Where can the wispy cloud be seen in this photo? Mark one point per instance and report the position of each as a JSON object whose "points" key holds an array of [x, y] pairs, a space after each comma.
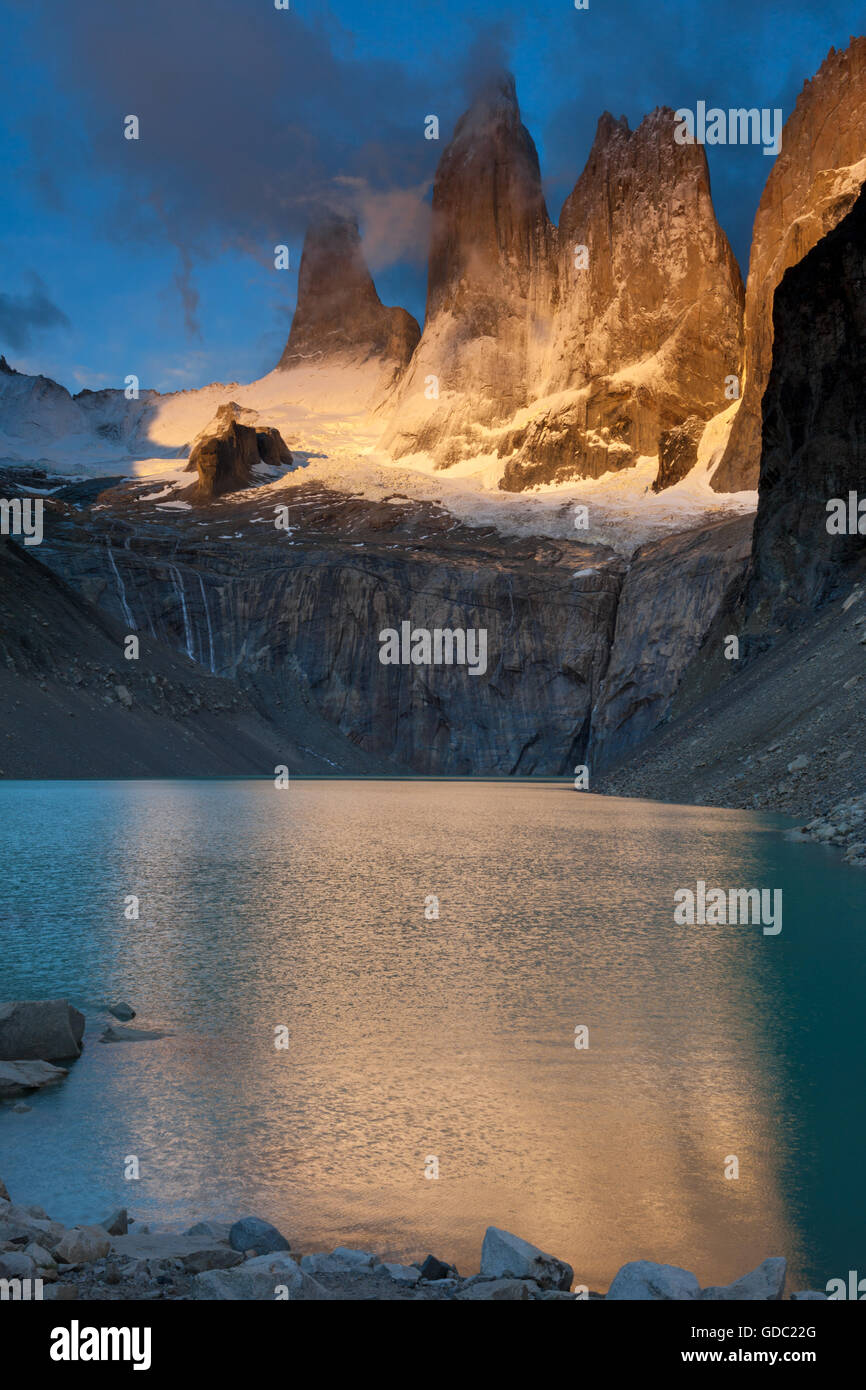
{"points": [[23, 315]]}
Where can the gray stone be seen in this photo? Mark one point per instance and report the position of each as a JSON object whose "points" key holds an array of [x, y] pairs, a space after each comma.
{"points": [[642, 1280], [117, 1224], [808, 1295], [41, 1257], [40, 1030], [119, 1034], [82, 1245], [500, 1290], [17, 1223], [765, 1282], [195, 1254], [267, 1277], [340, 1261], [401, 1274], [251, 1233], [508, 1256], [213, 1230], [122, 1011], [436, 1269], [17, 1265]]}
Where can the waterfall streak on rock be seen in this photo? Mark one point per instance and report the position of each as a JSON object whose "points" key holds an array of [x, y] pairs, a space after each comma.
{"points": [[187, 629], [209, 628], [121, 590]]}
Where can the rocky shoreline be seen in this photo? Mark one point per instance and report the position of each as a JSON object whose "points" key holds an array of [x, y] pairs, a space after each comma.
{"points": [[250, 1260]]}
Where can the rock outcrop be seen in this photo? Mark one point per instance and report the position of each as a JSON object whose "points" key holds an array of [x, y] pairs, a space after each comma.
{"points": [[814, 442], [49, 1030], [648, 323], [566, 353], [18, 1077], [813, 184], [309, 608], [490, 285], [671, 595], [678, 452], [739, 730], [227, 452], [506, 1256], [339, 315]]}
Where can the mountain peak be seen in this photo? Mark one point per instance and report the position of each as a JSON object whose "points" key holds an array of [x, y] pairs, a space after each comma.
{"points": [[339, 312]]}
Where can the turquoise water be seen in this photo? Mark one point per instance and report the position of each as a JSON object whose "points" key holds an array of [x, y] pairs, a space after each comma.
{"points": [[413, 1037]]}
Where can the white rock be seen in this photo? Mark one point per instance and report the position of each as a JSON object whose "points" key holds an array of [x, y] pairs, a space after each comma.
{"points": [[765, 1282], [643, 1280], [508, 1256], [267, 1277]]}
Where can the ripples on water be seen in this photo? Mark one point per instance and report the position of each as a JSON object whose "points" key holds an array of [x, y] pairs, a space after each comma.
{"points": [[452, 1037]]}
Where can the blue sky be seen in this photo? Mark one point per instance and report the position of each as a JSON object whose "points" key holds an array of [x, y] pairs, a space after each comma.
{"points": [[156, 256]]}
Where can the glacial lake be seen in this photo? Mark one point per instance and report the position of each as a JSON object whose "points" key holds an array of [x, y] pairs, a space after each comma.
{"points": [[413, 1037]]}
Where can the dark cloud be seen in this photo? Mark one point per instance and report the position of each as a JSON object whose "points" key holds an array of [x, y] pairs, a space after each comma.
{"points": [[248, 117], [22, 315]]}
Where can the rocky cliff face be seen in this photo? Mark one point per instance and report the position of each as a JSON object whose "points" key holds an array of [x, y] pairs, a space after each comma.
{"points": [[814, 443], [566, 353], [672, 593], [577, 666], [648, 324], [490, 286], [295, 620], [339, 315], [813, 184]]}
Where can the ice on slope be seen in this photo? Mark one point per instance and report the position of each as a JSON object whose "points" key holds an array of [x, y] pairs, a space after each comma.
{"points": [[332, 418]]}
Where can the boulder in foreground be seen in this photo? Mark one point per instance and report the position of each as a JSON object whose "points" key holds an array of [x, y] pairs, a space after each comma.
{"points": [[83, 1245], [506, 1256], [40, 1030], [644, 1281], [251, 1233], [265, 1278], [765, 1282], [18, 1077]]}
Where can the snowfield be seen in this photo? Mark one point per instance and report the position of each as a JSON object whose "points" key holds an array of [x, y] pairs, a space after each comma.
{"points": [[333, 418]]}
